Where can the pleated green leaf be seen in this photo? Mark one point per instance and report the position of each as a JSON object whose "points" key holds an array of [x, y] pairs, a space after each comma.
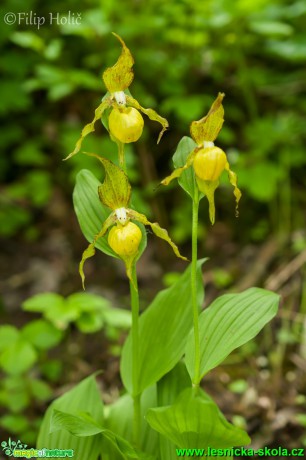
{"points": [[120, 421], [163, 331], [83, 425], [85, 397], [172, 384], [230, 321], [168, 389], [92, 214], [194, 421], [78, 425], [187, 180]]}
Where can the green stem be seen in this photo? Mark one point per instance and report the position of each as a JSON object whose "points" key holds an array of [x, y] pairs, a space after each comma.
{"points": [[121, 155], [195, 212], [135, 355]]}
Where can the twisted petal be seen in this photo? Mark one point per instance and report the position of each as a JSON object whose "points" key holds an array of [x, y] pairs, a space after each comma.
{"points": [[90, 126], [178, 171], [150, 113], [208, 128], [160, 232], [233, 180], [90, 251], [115, 191], [120, 76]]}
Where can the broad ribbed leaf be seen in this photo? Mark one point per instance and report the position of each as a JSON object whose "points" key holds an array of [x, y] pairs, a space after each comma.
{"points": [[92, 214], [163, 331], [230, 321], [168, 389], [83, 425], [120, 421], [172, 384], [187, 180], [195, 421], [78, 425], [85, 397]]}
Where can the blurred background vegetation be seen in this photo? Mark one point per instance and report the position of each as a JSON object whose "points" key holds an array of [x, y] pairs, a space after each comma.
{"points": [[185, 53]]}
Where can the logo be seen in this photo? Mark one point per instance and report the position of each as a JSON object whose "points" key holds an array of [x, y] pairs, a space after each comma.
{"points": [[17, 449], [9, 446]]}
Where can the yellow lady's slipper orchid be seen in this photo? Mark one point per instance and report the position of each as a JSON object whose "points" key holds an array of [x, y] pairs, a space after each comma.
{"points": [[208, 161], [125, 240], [125, 121], [125, 124], [124, 236]]}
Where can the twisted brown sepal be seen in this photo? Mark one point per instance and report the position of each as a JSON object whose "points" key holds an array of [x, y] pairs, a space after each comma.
{"points": [[150, 113], [90, 127], [157, 230], [115, 191], [178, 171], [120, 76], [90, 251], [208, 128], [233, 180]]}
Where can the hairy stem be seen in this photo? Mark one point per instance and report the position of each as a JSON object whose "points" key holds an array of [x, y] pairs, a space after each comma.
{"points": [[135, 356], [195, 212]]}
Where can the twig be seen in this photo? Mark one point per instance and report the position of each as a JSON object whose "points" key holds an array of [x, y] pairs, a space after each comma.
{"points": [[275, 281]]}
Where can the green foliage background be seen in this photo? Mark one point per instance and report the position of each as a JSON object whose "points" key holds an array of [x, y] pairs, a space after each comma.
{"points": [[185, 52]]}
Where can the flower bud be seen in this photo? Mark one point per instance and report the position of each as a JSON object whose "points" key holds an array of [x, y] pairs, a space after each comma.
{"points": [[126, 124], [209, 163], [125, 240]]}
